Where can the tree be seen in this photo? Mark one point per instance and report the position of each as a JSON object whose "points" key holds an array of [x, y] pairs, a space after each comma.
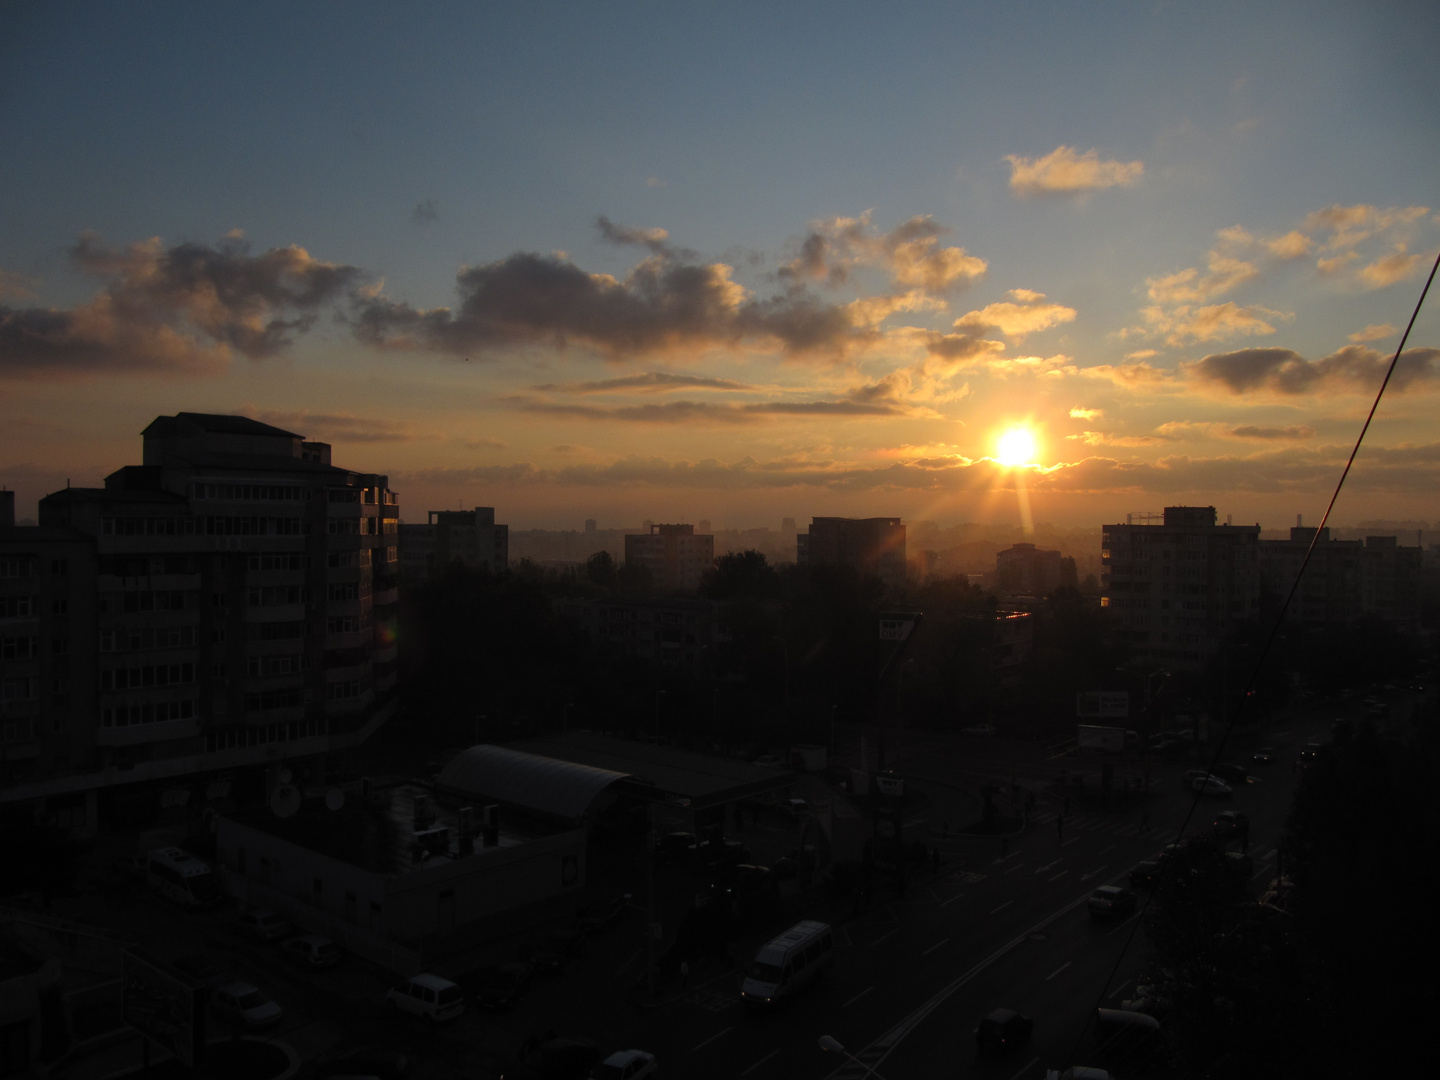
{"points": [[600, 570], [741, 574]]}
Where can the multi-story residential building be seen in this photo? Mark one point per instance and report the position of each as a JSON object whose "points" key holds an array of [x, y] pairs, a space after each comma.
{"points": [[676, 632], [1345, 580], [675, 555], [468, 537], [223, 611], [1025, 570], [1176, 588], [874, 546]]}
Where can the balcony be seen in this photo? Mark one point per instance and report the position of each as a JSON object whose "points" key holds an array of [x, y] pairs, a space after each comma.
{"points": [[138, 734]]}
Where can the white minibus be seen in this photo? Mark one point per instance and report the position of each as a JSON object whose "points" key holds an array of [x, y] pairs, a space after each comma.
{"points": [[181, 877], [788, 963]]}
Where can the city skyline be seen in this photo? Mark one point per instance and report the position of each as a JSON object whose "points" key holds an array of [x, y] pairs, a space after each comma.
{"points": [[680, 265]]}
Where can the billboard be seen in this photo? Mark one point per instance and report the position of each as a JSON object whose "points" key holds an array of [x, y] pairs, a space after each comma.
{"points": [[1102, 704], [162, 1006]]}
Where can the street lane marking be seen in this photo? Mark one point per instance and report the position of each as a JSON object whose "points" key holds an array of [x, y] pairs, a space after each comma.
{"points": [[932, 948], [952, 899], [762, 1061], [712, 1038], [1058, 876], [1047, 866], [846, 931], [1017, 866], [1122, 926], [1261, 872], [847, 1004], [1072, 840], [1026, 1069], [1092, 873], [1004, 858], [1002, 907], [1116, 992], [1112, 847], [1057, 971], [882, 937]]}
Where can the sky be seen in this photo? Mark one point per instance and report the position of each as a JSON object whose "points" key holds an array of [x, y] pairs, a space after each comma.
{"points": [[736, 262]]}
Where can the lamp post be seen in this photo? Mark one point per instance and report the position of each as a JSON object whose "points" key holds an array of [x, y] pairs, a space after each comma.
{"points": [[832, 1045], [1147, 701], [652, 925], [658, 695]]}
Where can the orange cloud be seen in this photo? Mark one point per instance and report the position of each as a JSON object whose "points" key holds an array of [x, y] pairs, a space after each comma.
{"points": [[1065, 172], [1017, 320]]}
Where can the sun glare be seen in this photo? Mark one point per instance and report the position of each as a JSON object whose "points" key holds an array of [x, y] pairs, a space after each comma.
{"points": [[1016, 447]]}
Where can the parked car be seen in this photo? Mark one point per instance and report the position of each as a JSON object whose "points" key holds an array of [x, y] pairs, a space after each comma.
{"points": [[769, 761], [263, 924], [244, 1006], [427, 996], [795, 808], [500, 986], [554, 1058], [1111, 902], [1231, 773], [1211, 785], [978, 729], [1002, 1029], [1231, 823], [1191, 775], [1146, 874], [557, 949], [312, 950], [1078, 1072], [625, 1065], [1264, 756], [721, 851], [362, 1063]]}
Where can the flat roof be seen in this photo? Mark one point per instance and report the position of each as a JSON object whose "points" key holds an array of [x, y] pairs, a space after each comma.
{"points": [[380, 837], [704, 779]]}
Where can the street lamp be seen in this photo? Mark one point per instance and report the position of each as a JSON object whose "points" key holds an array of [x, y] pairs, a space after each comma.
{"points": [[832, 1045], [658, 695], [652, 927]]}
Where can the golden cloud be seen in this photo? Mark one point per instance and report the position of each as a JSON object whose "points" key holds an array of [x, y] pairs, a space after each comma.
{"points": [[1374, 332], [1387, 270], [1065, 172], [1017, 320], [1216, 322], [1077, 413], [1293, 245]]}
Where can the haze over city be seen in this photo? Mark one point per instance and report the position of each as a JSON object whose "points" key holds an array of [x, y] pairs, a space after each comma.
{"points": [[736, 264]]}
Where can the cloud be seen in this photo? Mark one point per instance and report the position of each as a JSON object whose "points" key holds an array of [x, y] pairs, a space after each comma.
{"points": [[1374, 332], [1296, 431], [1187, 286], [1215, 322], [831, 250], [1077, 413], [425, 212], [334, 427], [654, 239], [16, 285], [1350, 369], [1293, 245], [1017, 320], [654, 182], [1102, 438], [1065, 172], [700, 412], [666, 303], [1141, 354], [1389, 269], [1351, 225], [648, 382], [178, 309]]}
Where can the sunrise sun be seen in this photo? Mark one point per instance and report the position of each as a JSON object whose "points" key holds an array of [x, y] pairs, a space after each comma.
{"points": [[1016, 447]]}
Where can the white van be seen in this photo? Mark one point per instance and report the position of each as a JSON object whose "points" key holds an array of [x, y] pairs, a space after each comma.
{"points": [[181, 877], [788, 963]]}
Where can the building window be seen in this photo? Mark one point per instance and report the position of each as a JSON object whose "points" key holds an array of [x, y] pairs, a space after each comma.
{"points": [[60, 567], [59, 607]]}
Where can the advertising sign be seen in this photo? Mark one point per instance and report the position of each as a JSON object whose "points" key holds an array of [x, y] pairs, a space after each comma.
{"points": [[896, 628], [1102, 704], [162, 1006], [891, 786]]}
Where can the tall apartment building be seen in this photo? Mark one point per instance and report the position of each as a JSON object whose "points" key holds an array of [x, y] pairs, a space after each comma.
{"points": [[222, 611], [1025, 570], [874, 546], [1345, 580], [468, 537], [676, 555], [1178, 587]]}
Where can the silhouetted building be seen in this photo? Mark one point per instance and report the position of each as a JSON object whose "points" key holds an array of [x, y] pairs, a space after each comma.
{"points": [[1176, 588], [674, 632], [220, 611], [1345, 580], [465, 537], [1025, 570], [675, 555], [874, 546]]}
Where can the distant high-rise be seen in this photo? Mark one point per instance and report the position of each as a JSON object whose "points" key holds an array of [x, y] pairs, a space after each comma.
{"points": [[787, 525], [467, 537], [1025, 570], [222, 610], [1178, 587], [873, 546], [589, 525], [675, 555], [704, 525]]}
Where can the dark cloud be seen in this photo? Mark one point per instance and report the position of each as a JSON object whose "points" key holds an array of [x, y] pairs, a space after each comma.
{"points": [[700, 412], [335, 427], [425, 212], [663, 304], [1355, 367], [961, 346], [911, 253], [180, 308], [648, 381], [1298, 432], [654, 239]]}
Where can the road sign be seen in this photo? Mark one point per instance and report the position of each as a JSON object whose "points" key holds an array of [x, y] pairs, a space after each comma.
{"points": [[896, 628], [162, 1006], [891, 786]]}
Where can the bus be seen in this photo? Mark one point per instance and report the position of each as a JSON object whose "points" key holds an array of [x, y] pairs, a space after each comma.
{"points": [[181, 877], [788, 963]]}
